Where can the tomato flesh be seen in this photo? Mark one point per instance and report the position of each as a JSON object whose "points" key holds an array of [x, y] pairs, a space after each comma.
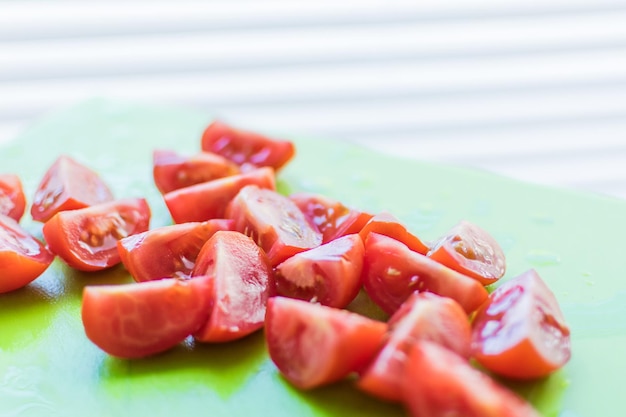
{"points": [[329, 216], [172, 171], [329, 274], [392, 272], [86, 239], [424, 316], [521, 332], [314, 345], [274, 222], [243, 282], [169, 251], [68, 185], [388, 225], [439, 383], [244, 147], [12, 199], [138, 320], [22, 257], [208, 200], [472, 251]]}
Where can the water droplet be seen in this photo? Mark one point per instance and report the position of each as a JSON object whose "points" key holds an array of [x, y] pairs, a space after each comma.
{"points": [[589, 282], [482, 208], [542, 219], [422, 218], [361, 180], [543, 258]]}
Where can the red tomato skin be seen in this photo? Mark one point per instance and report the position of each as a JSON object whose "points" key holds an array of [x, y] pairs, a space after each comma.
{"points": [[520, 332], [169, 251], [329, 216], [329, 274], [392, 272], [472, 251], [439, 383], [245, 147], [424, 316], [208, 200], [12, 198], [172, 171], [22, 257], [274, 222], [243, 283], [86, 239], [139, 320], [314, 345], [68, 185], [388, 225]]}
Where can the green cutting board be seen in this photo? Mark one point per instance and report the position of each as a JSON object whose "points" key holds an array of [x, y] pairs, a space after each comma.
{"points": [[49, 368]]}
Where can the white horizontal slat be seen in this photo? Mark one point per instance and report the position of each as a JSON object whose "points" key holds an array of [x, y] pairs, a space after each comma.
{"points": [[38, 20], [462, 112], [430, 82], [570, 170], [306, 46], [480, 146], [615, 187]]}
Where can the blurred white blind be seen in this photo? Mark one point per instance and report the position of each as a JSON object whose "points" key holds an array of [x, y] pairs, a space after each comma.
{"points": [[530, 89]]}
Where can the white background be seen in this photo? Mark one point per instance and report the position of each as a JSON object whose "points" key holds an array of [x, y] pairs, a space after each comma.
{"points": [[534, 90]]}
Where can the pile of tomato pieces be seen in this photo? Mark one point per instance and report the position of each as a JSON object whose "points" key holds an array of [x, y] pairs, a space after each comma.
{"points": [[241, 257]]}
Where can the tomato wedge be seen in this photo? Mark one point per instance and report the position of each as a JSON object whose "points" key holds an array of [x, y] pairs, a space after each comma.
{"points": [[172, 171], [244, 147], [242, 284], [138, 320], [472, 251], [208, 200], [424, 316], [86, 239], [314, 345], [329, 216], [439, 383], [274, 222], [329, 274], [388, 225], [22, 257], [68, 185], [392, 272], [12, 199], [168, 251], [521, 332]]}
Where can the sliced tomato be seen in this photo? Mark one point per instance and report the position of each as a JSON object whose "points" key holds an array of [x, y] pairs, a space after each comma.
{"points": [[439, 383], [22, 257], [329, 216], [86, 239], [245, 147], [388, 225], [12, 199], [472, 251], [274, 222], [243, 283], [392, 272], [172, 171], [68, 185], [138, 320], [424, 316], [314, 345], [521, 332], [208, 200], [168, 251], [329, 274]]}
